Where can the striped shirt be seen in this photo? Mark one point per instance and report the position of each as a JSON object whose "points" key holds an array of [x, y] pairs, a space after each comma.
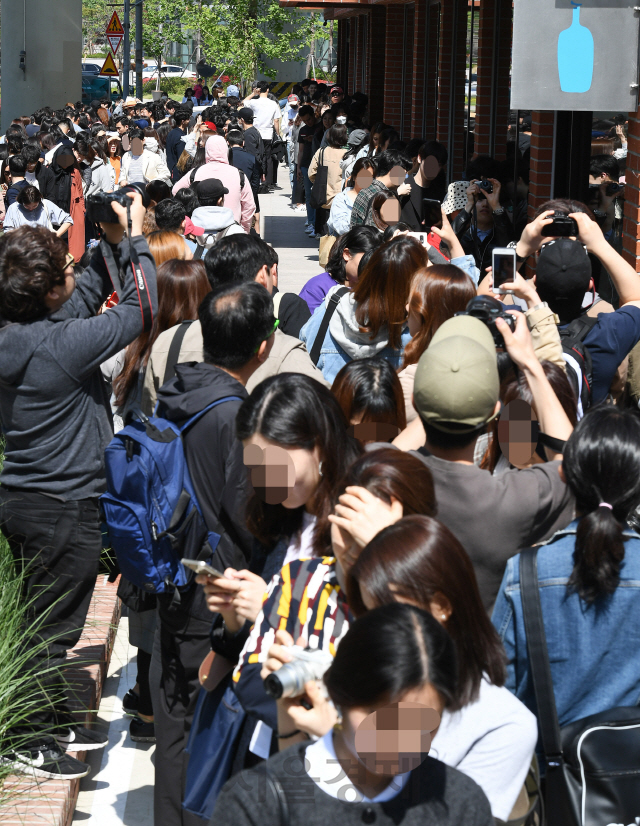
{"points": [[306, 600], [361, 212]]}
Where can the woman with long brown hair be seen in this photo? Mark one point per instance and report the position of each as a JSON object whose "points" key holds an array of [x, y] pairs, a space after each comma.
{"points": [[437, 293], [181, 287], [370, 320]]}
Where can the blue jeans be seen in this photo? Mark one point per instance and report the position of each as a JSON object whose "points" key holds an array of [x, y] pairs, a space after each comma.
{"points": [[311, 213]]}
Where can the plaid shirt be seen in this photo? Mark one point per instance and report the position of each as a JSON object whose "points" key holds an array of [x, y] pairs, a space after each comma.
{"points": [[361, 212]]}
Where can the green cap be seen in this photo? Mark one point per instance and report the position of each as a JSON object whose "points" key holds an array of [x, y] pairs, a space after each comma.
{"points": [[456, 385]]}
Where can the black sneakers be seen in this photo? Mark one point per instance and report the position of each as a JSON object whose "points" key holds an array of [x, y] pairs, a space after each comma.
{"points": [[131, 703], [79, 738], [141, 731], [46, 760]]}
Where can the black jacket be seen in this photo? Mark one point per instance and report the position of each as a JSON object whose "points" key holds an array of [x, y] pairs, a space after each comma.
{"points": [[173, 139], [293, 313], [248, 164], [411, 206], [501, 234], [253, 144], [213, 454], [46, 180]]}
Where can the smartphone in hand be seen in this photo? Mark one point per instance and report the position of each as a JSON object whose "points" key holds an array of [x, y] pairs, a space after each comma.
{"points": [[503, 268]]}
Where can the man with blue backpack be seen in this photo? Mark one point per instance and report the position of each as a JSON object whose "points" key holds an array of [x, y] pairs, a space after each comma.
{"points": [[238, 327], [56, 422]]}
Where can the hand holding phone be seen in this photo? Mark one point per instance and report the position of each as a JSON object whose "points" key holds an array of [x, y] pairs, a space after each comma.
{"points": [[432, 213], [200, 567], [503, 268]]}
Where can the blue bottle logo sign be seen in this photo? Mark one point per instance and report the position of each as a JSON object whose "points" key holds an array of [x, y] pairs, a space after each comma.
{"points": [[575, 55]]}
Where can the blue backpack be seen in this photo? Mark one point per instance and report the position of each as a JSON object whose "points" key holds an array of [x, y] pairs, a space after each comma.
{"points": [[151, 509]]}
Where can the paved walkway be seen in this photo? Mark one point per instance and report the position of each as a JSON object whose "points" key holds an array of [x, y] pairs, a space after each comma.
{"points": [[284, 229]]}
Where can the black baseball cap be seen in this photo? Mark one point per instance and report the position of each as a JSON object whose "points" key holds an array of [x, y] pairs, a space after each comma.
{"points": [[563, 274], [246, 114], [211, 188]]}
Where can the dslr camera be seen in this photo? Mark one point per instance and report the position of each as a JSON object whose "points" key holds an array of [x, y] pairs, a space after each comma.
{"points": [[488, 309], [308, 664], [562, 226], [485, 185], [99, 205]]}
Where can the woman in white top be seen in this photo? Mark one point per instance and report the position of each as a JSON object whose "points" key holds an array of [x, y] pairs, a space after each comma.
{"points": [[139, 165], [32, 210], [486, 732]]}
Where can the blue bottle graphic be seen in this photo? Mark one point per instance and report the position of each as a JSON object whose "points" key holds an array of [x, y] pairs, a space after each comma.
{"points": [[575, 55]]}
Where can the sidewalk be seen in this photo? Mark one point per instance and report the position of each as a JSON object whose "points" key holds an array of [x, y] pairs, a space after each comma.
{"points": [[284, 230]]}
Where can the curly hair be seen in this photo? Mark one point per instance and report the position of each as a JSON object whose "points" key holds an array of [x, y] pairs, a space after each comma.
{"points": [[32, 262]]}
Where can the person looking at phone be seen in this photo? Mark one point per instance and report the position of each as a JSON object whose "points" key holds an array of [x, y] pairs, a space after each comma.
{"points": [[564, 277], [238, 326], [429, 182]]}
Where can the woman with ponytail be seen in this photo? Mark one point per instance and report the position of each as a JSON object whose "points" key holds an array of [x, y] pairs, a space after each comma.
{"points": [[589, 576]]}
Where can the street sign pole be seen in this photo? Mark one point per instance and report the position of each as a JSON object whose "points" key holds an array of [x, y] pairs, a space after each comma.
{"points": [[126, 56], [138, 4]]}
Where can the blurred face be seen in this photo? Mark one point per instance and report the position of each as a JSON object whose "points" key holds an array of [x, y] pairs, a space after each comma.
{"points": [[281, 475], [396, 737], [430, 168], [351, 263], [364, 179], [390, 211], [397, 176]]}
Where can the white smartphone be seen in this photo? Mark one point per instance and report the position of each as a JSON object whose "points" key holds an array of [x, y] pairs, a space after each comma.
{"points": [[202, 568], [503, 268], [421, 237]]}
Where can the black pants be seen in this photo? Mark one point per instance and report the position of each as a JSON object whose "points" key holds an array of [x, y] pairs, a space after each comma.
{"points": [[144, 664], [58, 544], [270, 164], [181, 644]]}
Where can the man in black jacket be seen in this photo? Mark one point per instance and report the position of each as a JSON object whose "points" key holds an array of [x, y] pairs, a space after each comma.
{"points": [[181, 117], [57, 422], [37, 173], [253, 143], [249, 165], [238, 329]]}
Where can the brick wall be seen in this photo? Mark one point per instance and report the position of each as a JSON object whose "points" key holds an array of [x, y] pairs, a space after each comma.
{"points": [[631, 225], [452, 39], [540, 181], [418, 69], [495, 17], [343, 47], [376, 56], [393, 66]]}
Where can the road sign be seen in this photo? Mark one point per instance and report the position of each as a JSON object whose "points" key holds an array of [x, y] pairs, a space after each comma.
{"points": [[565, 55], [114, 41], [115, 26], [109, 68]]}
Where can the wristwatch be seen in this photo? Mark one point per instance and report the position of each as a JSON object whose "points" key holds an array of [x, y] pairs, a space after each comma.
{"points": [[498, 211]]}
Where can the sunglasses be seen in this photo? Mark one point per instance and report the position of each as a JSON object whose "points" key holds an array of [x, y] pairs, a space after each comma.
{"points": [[275, 327], [335, 94]]}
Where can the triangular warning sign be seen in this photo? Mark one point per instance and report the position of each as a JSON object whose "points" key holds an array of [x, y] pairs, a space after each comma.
{"points": [[109, 68], [115, 26], [114, 41]]}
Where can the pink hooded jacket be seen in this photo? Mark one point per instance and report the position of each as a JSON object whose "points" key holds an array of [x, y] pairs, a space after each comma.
{"points": [[241, 203]]}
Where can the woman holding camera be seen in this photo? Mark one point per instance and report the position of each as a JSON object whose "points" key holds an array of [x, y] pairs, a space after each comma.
{"points": [[483, 224], [392, 677]]}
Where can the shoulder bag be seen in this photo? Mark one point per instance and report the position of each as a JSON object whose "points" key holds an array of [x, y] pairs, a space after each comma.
{"points": [[318, 197], [324, 324], [593, 764]]}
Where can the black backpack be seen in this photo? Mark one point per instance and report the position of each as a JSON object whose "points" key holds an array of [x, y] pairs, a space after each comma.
{"points": [[578, 357]]}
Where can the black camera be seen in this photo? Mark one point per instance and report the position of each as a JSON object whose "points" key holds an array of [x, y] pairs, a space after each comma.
{"points": [[99, 205], [486, 185], [562, 226], [613, 188], [488, 309]]}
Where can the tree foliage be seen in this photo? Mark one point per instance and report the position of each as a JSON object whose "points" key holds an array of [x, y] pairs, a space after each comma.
{"points": [[95, 19]]}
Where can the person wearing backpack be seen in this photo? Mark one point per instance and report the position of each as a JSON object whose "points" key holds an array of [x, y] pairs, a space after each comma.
{"points": [[238, 327], [212, 216], [596, 340], [56, 423]]}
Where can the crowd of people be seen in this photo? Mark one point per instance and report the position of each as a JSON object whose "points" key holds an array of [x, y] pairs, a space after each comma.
{"points": [[373, 454]]}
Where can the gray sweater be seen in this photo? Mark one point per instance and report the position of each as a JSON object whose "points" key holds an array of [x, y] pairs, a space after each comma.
{"points": [[435, 795], [54, 407]]}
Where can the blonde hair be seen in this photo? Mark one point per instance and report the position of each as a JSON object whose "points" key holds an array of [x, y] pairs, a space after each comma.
{"points": [[165, 245]]}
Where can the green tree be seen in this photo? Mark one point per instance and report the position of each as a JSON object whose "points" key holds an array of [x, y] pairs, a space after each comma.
{"points": [[164, 22], [95, 19], [241, 35]]}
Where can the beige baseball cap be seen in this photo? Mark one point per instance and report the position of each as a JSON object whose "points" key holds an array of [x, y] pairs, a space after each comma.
{"points": [[456, 385]]}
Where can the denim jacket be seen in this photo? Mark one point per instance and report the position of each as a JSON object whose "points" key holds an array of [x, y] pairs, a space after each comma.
{"points": [[594, 650], [332, 356]]}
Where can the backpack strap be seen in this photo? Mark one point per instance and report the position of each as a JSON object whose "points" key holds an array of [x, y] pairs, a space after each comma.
{"points": [[277, 298], [580, 327], [192, 176], [539, 658], [199, 415], [324, 324], [174, 350]]}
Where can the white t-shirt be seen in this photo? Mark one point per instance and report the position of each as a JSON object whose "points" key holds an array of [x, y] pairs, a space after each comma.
{"points": [[300, 546], [136, 172], [265, 112], [491, 741], [31, 179], [323, 768]]}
